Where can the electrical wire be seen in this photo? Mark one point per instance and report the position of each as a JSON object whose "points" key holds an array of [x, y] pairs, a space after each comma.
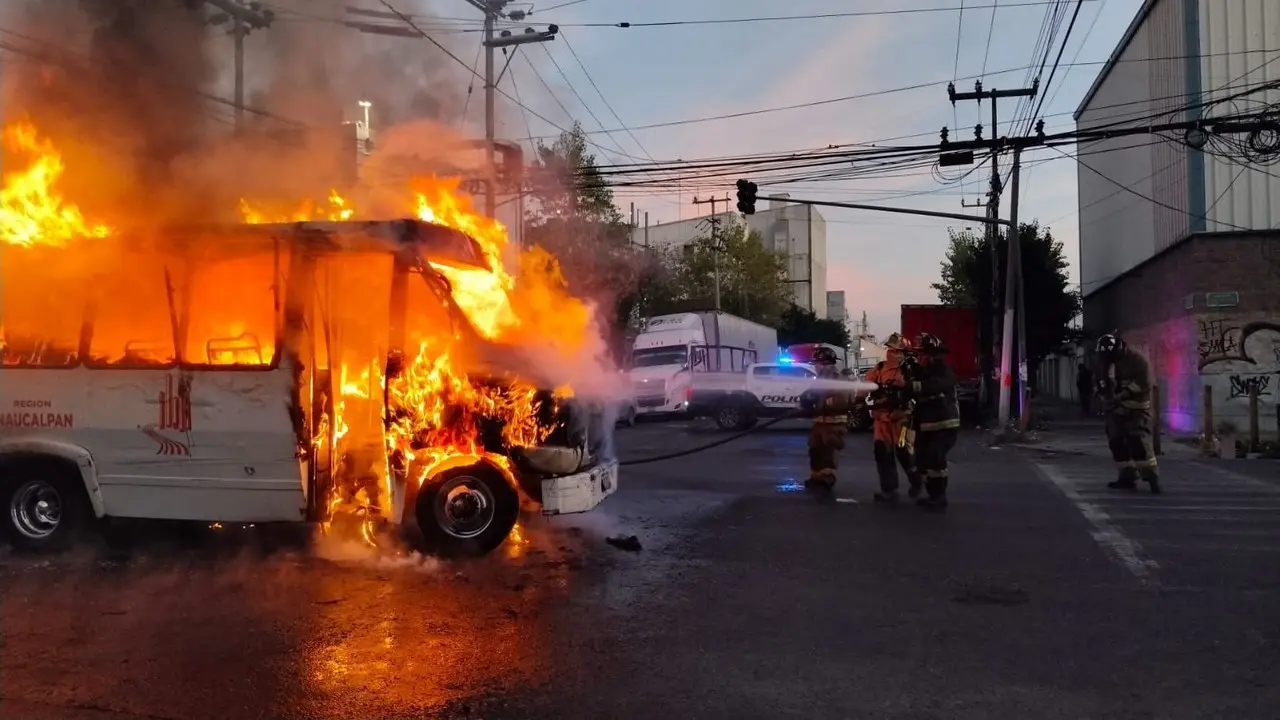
{"points": [[576, 94], [1052, 71], [990, 32], [904, 88], [387, 4], [1071, 65], [1151, 200], [955, 69], [812, 16], [603, 99]]}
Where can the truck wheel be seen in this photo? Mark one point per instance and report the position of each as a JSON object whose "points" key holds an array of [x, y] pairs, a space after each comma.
{"points": [[466, 511], [860, 420], [729, 417], [44, 505], [734, 417]]}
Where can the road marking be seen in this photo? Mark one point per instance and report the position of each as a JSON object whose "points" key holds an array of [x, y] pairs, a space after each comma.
{"points": [[1119, 546], [1238, 477]]}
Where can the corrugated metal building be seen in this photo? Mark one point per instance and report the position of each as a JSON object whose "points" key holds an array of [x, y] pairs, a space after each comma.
{"points": [[1178, 247]]}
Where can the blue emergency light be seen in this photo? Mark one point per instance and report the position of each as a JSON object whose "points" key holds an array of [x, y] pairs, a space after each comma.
{"points": [[784, 359]]}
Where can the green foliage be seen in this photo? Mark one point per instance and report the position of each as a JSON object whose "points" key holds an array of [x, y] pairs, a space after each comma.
{"points": [[804, 326], [569, 184], [1052, 303], [752, 277]]}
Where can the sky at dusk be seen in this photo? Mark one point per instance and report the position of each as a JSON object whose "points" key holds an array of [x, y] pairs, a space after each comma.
{"points": [[657, 75]]}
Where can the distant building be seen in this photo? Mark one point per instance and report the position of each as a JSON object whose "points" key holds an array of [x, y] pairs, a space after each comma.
{"points": [[836, 309], [798, 231], [1179, 247]]}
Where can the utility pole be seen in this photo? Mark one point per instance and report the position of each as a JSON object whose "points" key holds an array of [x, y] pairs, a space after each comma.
{"points": [[245, 17], [491, 10], [402, 26], [1012, 297], [715, 241], [994, 192]]}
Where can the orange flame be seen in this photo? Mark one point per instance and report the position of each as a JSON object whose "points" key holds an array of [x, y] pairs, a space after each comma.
{"points": [[31, 210]]}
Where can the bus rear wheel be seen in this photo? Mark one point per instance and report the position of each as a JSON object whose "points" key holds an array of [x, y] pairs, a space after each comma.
{"points": [[466, 511], [43, 505]]}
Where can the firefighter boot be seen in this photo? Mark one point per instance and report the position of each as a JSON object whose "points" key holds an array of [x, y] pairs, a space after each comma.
{"points": [[915, 484], [1152, 480], [1128, 480], [936, 494], [887, 469]]}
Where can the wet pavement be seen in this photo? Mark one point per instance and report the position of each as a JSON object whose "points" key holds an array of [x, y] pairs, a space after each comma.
{"points": [[1036, 595]]}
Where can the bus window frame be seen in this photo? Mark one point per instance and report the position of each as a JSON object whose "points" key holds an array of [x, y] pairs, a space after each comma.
{"points": [[182, 321]]}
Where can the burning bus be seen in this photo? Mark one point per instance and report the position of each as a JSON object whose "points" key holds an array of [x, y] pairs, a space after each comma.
{"points": [[359, 374]]}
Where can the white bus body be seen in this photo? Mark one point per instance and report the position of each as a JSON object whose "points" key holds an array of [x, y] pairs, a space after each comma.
{"points": [[186, 438]]}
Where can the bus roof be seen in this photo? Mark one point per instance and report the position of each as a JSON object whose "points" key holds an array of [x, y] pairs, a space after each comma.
{"points": [[420, 240]]}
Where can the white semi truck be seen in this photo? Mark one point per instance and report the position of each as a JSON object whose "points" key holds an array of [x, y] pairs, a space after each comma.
{"points": [[673, 348]]}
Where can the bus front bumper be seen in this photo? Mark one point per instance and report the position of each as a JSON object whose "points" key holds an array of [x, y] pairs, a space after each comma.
{"points": [[579, 492]]}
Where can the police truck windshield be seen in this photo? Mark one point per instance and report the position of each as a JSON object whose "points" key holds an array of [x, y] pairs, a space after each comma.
{"points": [[655, 357]]}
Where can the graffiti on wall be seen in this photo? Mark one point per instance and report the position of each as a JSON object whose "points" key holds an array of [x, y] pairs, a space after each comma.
{"points": [[1246, 385], [1238, 360], [1255, 343]]}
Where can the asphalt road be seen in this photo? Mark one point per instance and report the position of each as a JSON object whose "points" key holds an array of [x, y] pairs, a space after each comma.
{"points": [[1039, 594]]}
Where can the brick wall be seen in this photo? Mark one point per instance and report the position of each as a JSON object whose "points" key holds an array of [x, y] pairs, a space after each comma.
{"points": [[1228, 349]]}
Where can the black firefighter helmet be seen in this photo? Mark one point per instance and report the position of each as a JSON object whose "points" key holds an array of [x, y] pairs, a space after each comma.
{"points": [[825, 356], [1110, 345], [930, 344]]}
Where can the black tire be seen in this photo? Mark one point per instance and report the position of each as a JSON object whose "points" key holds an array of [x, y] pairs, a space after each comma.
{"points": [[734, 418], [860, 419], [43, 504], [628, 418], [470, 526]]}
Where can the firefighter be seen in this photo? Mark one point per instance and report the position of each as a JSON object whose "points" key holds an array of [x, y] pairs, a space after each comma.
{"points": [[830, 410], [936, 418], [1124, 383], [891, 410]]}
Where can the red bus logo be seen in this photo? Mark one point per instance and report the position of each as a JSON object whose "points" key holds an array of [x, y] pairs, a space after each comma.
{"points": [[175, 416]]}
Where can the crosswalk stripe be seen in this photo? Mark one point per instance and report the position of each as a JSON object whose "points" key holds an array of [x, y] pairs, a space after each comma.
{"points": [[1123, 549]]}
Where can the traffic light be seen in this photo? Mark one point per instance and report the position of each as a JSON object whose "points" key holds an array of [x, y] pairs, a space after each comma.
{"points": [[746, 197]]}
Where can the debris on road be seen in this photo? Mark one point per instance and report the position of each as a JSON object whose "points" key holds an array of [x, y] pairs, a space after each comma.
{"points": [[629, 543]]}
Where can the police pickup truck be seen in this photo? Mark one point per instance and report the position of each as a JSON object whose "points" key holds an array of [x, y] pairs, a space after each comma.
{"points": [[737, 401]]}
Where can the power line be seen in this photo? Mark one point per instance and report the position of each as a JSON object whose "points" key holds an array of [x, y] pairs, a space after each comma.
{"points": [[1071, 65], [500, 91], [813, 16], [905, 88], [603, 99], [990, 31], [561, 5], [1123, 126], [1151, 200], [1052, 71], [577, 95]]}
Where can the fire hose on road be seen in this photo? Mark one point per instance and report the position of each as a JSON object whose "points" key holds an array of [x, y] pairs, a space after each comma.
{"points": [[878, 396], [717, 443]]}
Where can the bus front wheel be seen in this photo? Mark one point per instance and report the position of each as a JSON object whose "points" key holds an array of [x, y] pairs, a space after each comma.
{"points": [[466, 511], [43, 506]]}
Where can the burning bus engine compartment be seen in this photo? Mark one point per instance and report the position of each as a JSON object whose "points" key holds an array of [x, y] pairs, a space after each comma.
{"points": [[384, 378]]}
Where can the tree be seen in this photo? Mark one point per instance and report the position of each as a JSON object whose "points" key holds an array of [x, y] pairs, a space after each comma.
{"points": [[1051, 301], [568, 184], [753, 280], [804, 326]]}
